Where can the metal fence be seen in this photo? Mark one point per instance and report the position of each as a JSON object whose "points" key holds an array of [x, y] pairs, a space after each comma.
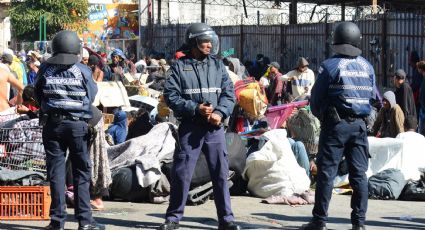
{"points": [[388, 40]]}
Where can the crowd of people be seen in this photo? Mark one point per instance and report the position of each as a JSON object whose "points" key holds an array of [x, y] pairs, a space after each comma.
{"points": [[198, 87]]}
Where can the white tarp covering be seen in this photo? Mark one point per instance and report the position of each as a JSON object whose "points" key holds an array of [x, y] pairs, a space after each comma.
{"points": [[273, 170], [406, 152]]}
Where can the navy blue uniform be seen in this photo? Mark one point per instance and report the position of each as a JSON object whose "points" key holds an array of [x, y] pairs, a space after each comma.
{"points": [[65, 94], [192, 82], [344, 88]]}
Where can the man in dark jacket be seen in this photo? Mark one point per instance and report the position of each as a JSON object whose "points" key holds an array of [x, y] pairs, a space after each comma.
{"points": [[201, 94], [65, 91], [421, 99], [404, 94]]}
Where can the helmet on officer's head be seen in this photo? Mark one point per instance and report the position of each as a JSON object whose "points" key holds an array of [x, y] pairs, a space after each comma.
{"points": [[199, 33], [346, 39], [66, 47]]}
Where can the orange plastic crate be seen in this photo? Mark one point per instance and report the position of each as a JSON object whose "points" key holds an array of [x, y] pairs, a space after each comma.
{"points": [[24, 202]]}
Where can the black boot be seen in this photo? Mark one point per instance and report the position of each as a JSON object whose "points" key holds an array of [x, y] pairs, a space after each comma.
{"points": [[359, 227], [169, 225], [229, 226], [92, 226], [53, 226], [314, 226]]}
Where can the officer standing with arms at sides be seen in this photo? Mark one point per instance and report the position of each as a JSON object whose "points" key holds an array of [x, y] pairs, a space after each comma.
{"points": [[340, 98], [65, 91], [201, 94]]}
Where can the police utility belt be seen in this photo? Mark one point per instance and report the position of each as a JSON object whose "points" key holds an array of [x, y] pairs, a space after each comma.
{"points": [[334, 116], [58, 117]]}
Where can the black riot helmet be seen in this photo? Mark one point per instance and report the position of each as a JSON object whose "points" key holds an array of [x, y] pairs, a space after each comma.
{"points": [[65, 47], [198, 33], [346, 39]]}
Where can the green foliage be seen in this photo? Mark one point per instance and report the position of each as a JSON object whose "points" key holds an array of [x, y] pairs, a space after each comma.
{"points": [[60, 14]]}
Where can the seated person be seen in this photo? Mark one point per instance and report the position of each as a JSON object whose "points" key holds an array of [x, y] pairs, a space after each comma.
{"points": [[390, 120], [29, 105], [140, 124], [118, 129], [300, 154], [156, 79]]}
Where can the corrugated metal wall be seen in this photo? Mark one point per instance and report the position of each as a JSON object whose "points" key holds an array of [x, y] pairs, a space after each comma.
{"points": [[387, 42]]}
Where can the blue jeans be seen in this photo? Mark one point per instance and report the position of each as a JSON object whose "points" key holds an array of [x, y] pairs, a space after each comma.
{"points": [[300, 154], [421, 127]]}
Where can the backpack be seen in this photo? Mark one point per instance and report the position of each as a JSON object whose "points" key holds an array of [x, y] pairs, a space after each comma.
{"points": [[305, 127], [386, 185], [251, 97]]}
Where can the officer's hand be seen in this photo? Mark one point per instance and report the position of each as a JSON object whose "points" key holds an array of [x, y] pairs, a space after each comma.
{"points": [[215, 119], [205, 110]]}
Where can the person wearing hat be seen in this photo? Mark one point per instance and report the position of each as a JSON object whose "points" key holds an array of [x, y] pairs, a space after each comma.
{"points": [[390, 119], [302, 79], [118, 65], [65, 90], [33, 67], [85, 57], [276, 86], [15, 65], [404, 94], [34, 56], [340, 98], [156, 78], [164, 66], [94, 63]]}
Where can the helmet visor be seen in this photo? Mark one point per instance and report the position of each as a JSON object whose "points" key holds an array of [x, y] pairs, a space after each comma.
{"points": [[208, 37]]}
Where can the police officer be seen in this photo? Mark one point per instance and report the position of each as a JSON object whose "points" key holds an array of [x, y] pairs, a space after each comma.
{"points": [[341, 99], [201, 94], [65, 91]]}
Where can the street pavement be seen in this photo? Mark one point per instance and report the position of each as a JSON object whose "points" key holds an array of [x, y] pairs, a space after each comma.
{"points": [[250, 213]]}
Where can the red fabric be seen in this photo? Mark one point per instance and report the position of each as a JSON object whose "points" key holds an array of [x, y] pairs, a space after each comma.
{"points": [[179, 55], [32, 108], [279, 84], [240, 125], [416, 97]]}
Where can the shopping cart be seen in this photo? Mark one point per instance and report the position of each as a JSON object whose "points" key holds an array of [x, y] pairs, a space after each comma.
{"points": [[22, 149]]}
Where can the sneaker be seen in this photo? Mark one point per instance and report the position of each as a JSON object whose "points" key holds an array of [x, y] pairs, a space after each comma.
{"points": [[169, 225], [229, 226]]}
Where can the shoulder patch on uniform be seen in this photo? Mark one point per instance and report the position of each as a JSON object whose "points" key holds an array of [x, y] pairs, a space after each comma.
{"points": [[320, 70]]}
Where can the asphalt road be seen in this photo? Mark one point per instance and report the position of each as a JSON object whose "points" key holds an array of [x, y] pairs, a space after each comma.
{"points": [[250, 213]]}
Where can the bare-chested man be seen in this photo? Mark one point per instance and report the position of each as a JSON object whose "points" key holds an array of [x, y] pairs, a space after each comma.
{"points": [[7, 77]]}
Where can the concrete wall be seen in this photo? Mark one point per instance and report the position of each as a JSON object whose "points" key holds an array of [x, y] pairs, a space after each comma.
{"points": [[5, 33]]}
